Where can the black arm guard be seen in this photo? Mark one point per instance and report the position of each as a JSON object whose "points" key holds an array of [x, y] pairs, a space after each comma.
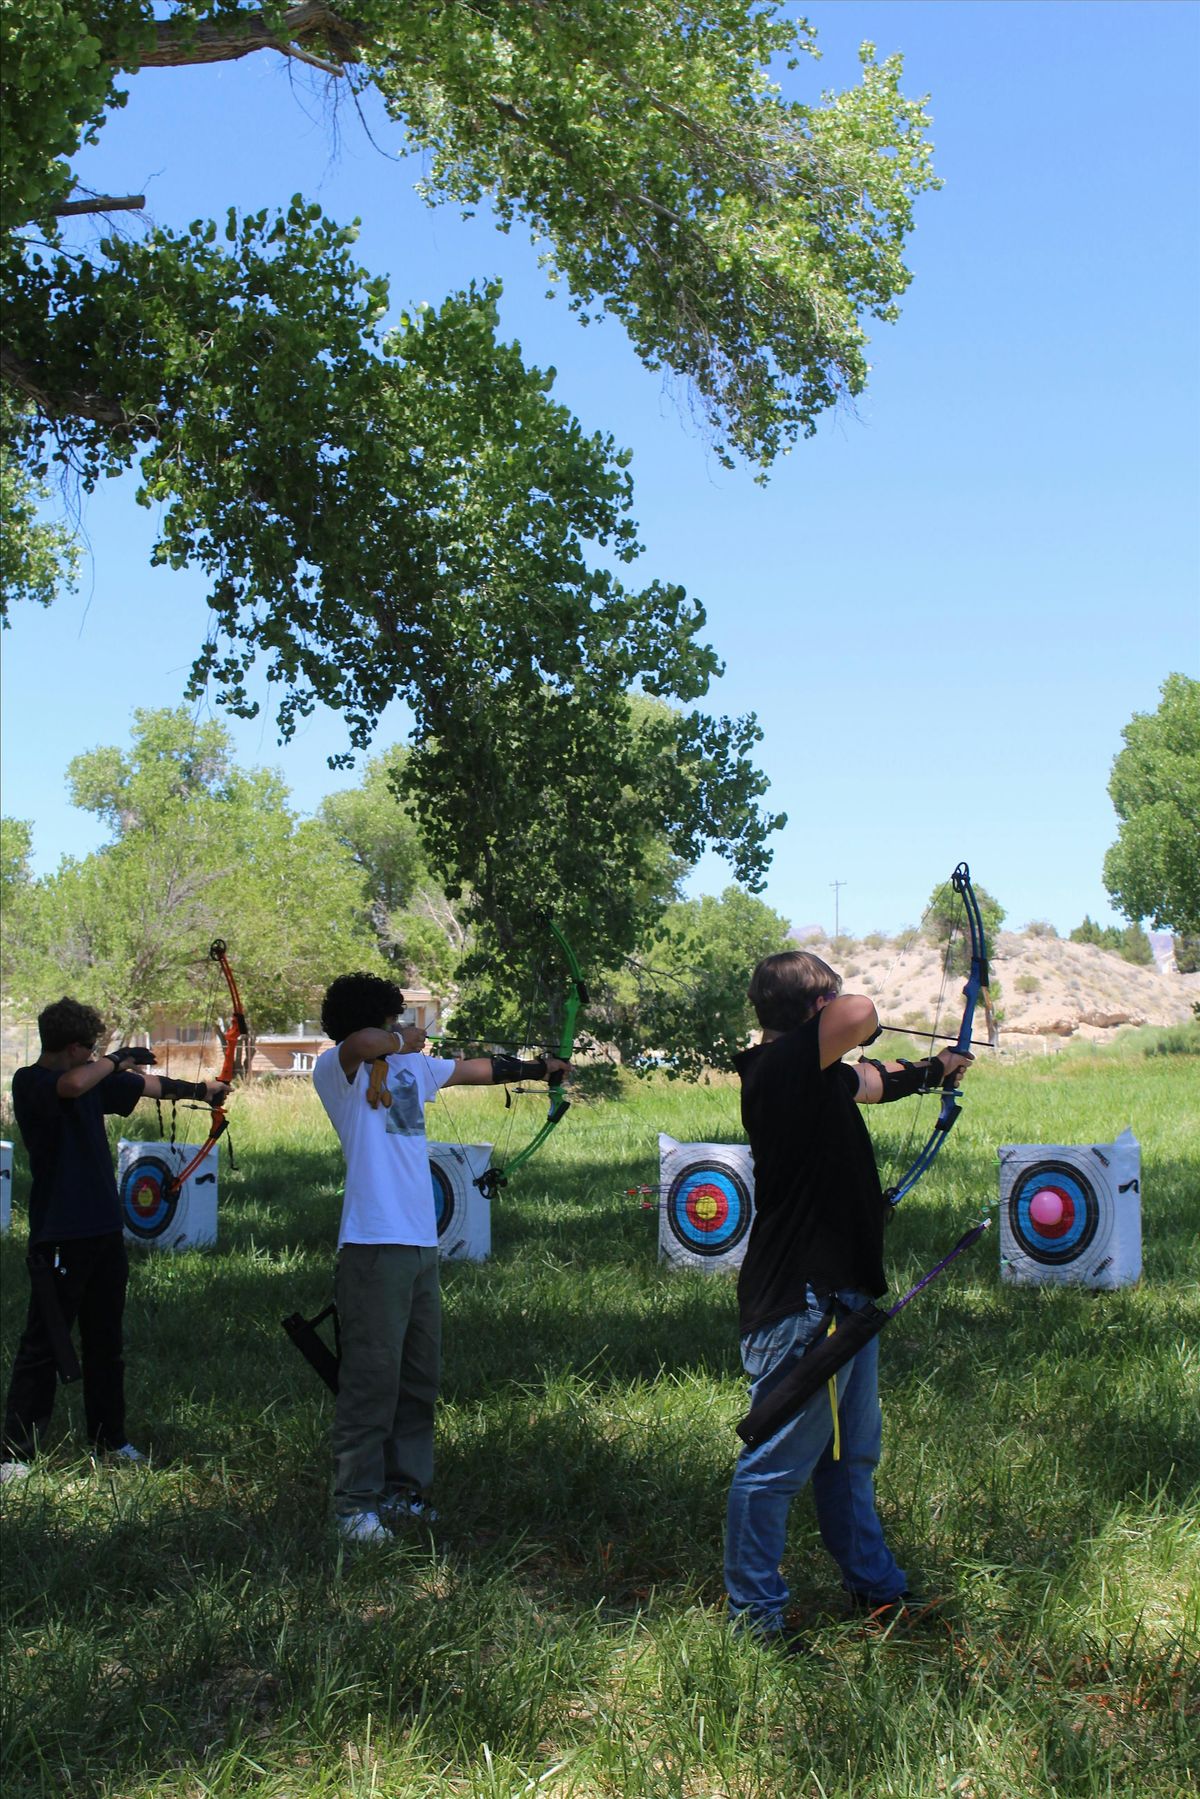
{"points": [[511, 1068], [909, 1078], [173, 1089]]}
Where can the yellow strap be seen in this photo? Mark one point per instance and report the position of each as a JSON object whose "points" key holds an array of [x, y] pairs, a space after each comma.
{"points": [[377, 1087], [833, 1403]]}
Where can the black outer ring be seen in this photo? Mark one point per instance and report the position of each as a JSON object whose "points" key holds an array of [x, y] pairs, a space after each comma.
{"points": [[1038, 1252]]}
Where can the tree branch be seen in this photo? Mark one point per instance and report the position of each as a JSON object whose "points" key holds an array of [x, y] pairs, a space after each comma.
{"points": [[97, 407], [177, 43], [100, 203]]}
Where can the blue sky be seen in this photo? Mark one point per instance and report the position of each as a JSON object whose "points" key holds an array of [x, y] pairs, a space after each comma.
{"points": [[945, 607]]}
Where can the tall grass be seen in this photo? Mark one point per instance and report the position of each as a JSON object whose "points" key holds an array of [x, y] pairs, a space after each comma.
{"points": [[197, 1630]]}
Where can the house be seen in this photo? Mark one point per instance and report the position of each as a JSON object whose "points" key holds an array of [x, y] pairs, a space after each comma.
{"points": [[194, 1051]]}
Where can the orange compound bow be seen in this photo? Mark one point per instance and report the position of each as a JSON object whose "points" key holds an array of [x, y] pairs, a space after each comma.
{"points": [[231, 1038]]}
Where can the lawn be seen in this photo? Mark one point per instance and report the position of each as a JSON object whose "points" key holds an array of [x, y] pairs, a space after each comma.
{"points": [[197, 1630]]}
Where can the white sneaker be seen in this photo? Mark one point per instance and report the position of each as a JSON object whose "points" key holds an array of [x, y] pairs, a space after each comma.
{"points": [[363, 1527], [127, 1453], [12, 1471]]}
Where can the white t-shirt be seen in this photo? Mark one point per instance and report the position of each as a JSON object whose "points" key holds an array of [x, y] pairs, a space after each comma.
{"points": [[389, 1189]]}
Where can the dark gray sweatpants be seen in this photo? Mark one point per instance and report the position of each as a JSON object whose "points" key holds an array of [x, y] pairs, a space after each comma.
{"points": [[390, 1318]]}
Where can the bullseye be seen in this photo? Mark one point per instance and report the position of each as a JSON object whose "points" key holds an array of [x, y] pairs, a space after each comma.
{"points": [[708, 1209], [1046, 1208]]}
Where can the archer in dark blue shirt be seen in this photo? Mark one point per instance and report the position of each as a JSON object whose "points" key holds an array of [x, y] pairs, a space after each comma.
{"points": [[78, 1264]]}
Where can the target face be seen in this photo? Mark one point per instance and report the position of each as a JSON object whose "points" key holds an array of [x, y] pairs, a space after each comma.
{"points": [[1065, 1237], [151, 1214], [462, 1213], [147, 1210], [443, 1198], [708, 1208]]}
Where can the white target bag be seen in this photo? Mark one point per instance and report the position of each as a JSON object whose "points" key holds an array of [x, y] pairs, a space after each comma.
{"points": [[1071, 1215], [464, 1215], [153, 1214], [5, 1188], [706, 1203]]}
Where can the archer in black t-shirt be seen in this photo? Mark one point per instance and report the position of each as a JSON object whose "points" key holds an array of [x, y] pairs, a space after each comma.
{"points": [[815, 1254], [78, 1265]]}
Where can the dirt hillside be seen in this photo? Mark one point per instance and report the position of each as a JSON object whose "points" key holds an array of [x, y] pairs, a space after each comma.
{"points": [[1047, 989]]}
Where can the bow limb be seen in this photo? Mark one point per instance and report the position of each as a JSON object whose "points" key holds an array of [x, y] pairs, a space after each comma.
{"points": [[974, 993], [231, 1037], [559, 1105]]}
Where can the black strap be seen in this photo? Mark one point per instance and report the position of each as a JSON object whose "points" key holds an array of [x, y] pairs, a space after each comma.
{"points": [[313, 1347]]}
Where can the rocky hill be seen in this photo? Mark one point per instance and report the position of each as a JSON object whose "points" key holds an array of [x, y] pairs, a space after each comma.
{"points": [[1048, 989]]}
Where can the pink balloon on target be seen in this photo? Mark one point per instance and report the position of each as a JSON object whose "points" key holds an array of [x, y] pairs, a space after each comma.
{"points": [[1046, 1208]]}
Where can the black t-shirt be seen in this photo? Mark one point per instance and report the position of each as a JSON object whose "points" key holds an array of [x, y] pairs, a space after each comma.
{"points": [[819, 1210], [73, 1190]]}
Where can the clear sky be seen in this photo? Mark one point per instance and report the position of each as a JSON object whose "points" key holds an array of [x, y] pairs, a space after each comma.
{"points": [[945, 607]]}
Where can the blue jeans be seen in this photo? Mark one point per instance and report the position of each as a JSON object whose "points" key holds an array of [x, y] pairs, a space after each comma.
{"points": [[767, 1478]]}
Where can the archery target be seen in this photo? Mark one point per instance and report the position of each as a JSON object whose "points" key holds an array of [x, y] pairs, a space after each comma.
{"points": [[464, 1215], [5, 1188], [152, 1216], [707, 1203], [1071, 1214]]}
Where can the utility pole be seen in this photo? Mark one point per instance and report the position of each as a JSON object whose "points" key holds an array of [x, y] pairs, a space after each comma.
{"points": [[837, 886]]}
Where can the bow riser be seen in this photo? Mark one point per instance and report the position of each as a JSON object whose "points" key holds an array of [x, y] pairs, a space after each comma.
{"points": [[231, 1037], [494, 1179], [976, 990]]}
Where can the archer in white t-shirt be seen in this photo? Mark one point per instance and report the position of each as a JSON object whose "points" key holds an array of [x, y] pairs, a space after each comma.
{"points": [[375, 1085]]}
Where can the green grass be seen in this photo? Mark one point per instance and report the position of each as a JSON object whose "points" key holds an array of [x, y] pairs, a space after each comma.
{"points": [[196, 1631]]}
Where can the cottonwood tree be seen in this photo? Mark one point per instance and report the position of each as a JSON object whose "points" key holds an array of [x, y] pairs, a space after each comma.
{"points": [[1153, 869], [406, 511], [197, 848]]}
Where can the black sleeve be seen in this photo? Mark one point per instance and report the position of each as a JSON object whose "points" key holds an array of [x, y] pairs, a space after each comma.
{"points": [[120, 1093]]}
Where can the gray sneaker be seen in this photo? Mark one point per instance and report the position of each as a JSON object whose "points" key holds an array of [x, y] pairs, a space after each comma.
{"points": [[12, 1471], [128, 1454]]}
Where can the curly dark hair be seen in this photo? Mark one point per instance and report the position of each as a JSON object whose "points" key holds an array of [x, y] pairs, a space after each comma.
{"points": [[67, 1021], [355, 1002]]}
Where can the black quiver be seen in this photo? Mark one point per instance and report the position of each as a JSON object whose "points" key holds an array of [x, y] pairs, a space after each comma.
{"points": [[313, 1347], [45, 1292], [816, 1366]]}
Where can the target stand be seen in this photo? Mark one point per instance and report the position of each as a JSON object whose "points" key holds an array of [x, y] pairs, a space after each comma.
{"points": [[154, 1217], [1071, 1215], [706, 1204], [464, 1215], [5, 1188]]}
